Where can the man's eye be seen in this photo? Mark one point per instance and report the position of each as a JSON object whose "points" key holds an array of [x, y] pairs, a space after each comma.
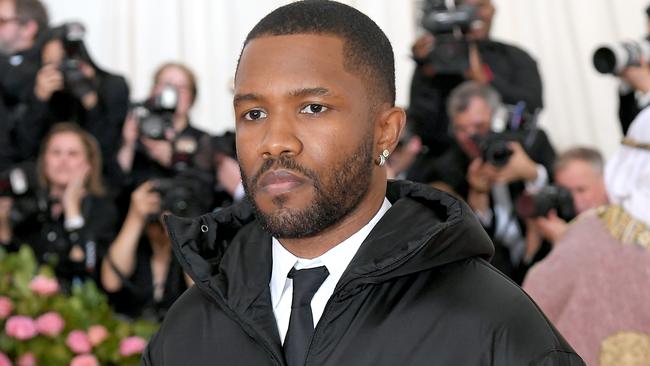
{"points": [[313, 109], [255, 114]]}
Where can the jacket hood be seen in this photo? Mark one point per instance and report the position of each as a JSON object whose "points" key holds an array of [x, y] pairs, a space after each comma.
{"points": [[424, 228]]}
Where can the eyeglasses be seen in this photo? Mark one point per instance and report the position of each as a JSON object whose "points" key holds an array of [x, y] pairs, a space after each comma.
{"points": [[4, 21]]}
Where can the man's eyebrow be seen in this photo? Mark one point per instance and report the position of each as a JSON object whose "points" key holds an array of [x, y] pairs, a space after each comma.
{"points": [[302, 92], [307, 92], [246, 97]]}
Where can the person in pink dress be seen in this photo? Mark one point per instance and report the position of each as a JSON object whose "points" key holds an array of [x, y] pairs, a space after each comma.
{"points": [[594, 286]]}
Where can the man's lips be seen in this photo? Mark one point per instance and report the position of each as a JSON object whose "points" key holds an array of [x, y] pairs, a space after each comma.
{"points": [[280, 181]]}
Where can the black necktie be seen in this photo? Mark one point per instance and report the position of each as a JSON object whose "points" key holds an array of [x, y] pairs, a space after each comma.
{"points": [[301, 324]]}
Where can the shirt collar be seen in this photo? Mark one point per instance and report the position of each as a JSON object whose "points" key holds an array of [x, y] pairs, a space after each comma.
{"points": [[336, 259]]}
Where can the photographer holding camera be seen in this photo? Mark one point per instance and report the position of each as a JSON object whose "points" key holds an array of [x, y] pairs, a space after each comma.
{"points": [[579, 171], [634, 92], [23, 25], [160, 138], [446, 58], [593, 285], [628, 60], [67, 220], [229, 187], [71, 87], [491, 170], [140, 272]]}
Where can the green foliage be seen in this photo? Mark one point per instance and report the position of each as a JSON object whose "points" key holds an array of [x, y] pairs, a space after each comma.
{"points": [[86, 306]]}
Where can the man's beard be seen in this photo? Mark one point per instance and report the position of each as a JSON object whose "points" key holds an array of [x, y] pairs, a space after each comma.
{"points": [[336, 195]]}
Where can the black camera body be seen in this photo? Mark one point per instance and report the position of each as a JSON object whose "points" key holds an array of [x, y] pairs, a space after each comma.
{"points": [[548, 198], [188, 194], [74, 79], [18, 180], [449, 27], [225, 144], [20, 183], [495, 146], [155, 115], [515, 124]]}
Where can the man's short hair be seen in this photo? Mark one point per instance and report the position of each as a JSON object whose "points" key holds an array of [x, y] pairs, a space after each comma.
{"points": [[367, 51], [463, 94], [27, 10], [586, 154]]}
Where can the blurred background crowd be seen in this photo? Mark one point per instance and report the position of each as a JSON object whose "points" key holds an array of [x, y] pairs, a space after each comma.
{"points": [[87, 172], [86, 169]]}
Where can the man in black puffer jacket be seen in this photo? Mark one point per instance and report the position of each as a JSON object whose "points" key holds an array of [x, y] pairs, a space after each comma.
{"points": [[326, 264]]}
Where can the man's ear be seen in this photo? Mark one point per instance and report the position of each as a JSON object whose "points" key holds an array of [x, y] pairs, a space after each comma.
{"points": [[389, 126]]}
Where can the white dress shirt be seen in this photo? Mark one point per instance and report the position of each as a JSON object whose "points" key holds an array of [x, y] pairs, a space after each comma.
{"points": [[506, 227], [336, 260]]}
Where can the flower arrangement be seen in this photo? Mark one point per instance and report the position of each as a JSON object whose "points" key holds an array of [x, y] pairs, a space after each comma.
{"points": [[41, 326]]}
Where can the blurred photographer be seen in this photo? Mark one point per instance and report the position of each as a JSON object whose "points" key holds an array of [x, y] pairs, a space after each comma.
{"points": [[67, 220], [580, 171], [405, 155], [634, 92], [628, 60], [140, 272], [455, 51], [492, 169], [71, 87], [23, 25], [593, 285], [229, 187], [158, 139]]}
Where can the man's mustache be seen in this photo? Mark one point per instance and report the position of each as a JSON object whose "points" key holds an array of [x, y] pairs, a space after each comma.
{"points": [[284, 162]]}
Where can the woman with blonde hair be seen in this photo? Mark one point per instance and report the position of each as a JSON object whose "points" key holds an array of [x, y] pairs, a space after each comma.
{"points": [[67, 220]]}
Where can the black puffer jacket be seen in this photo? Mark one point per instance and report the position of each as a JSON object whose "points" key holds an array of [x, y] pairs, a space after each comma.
{"points": [[418, 292]]}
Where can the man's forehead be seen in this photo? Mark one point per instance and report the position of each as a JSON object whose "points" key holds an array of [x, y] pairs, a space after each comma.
{"points": [[293, 62], [477, 113], [293, 39], [292, 47], [478, 104]]}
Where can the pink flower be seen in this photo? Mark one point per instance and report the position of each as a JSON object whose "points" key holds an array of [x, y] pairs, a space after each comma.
{"points": [[132, 345], [84, 360], [27, 359], [44, 285], [21, 327], [78, 342], [50, 324], [4, 360], [6, 307], [97, 334]]}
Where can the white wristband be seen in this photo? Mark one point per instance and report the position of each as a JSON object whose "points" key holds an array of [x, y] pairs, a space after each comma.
{"points": [[74, 223]]}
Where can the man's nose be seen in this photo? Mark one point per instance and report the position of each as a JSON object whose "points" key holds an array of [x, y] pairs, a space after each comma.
{"points": [[280, 138]]}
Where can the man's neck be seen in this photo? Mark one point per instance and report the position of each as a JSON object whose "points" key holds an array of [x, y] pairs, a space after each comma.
{"points": [[319, 244]]}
